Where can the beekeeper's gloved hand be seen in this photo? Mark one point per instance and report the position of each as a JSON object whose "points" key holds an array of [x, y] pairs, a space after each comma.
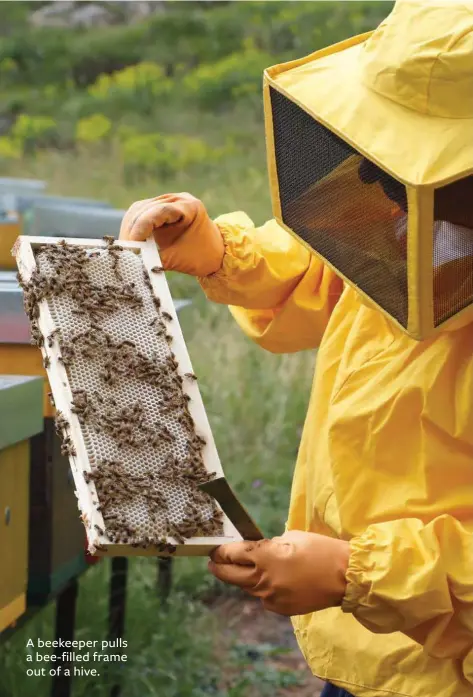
{"points": [[188, 240], [297, 573]]}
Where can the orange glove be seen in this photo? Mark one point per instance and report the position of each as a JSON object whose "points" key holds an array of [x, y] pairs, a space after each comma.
{"points": [[297, 573], [188, 240]]}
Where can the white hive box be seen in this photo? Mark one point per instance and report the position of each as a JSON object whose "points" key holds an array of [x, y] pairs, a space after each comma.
{"points": [[65, 219], [129, 408]]}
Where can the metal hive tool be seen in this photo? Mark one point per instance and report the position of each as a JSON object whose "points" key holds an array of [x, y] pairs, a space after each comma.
{"points": [[129, 410]]}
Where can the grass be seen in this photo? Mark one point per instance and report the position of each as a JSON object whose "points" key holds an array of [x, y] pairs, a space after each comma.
{"points": [[256, 404]]}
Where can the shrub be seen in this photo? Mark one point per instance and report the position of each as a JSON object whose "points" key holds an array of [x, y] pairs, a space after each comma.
{"points": [[93, 128], [34, 131], [40, 55], [144, 153], [137, 87], [8, 71], [213, 85], [105, 50], [10, 148], [153, 153]]}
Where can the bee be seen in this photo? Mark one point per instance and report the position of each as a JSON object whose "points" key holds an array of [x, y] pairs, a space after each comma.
{"points": [[167, 316], [190, 376], [108, 239], [107, 377], [37, 339], [51, 337], [110, 516], [101, 548], [157, 269], [157, 302], [218, 516], [172, 361], [161, 332], [60, 427], [99, 530], [116, 469], [46, 362], [68, 450], [194, 511]]}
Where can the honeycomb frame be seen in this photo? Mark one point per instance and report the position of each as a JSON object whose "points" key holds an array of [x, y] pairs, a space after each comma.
{"points": [[76, 440]]}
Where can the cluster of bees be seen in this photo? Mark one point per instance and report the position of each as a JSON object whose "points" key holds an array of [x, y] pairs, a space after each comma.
{"points": [[62, 270], [122, 358], [125, 424], [70, 277], [115, 487], [62, 430]]}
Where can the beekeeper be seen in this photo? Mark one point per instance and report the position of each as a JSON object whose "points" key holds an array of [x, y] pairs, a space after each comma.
{"points": [[369, 257]]}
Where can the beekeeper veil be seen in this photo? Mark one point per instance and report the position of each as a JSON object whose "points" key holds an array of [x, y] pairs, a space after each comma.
{"points": [[370, 155]]}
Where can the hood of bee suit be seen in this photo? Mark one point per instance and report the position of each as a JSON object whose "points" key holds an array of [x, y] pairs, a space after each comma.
{"points": [[400, 97]]}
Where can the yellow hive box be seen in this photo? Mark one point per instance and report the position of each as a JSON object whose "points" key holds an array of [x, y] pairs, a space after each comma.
{"points": [[10, 229], [20, 419], [24, 359]]}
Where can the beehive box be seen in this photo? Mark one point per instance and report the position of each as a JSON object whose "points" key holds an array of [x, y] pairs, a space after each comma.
{"points": [[25, 201], [20, 419], [63, 218], [14, 325], [17, 185], [56, 534], [10, 228], [129, 408], [57, 538]]}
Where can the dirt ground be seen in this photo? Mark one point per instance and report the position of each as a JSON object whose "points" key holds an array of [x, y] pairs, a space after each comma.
{"points": [[248, 623]]}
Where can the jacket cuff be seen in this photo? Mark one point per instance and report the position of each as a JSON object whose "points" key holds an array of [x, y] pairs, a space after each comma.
{"points": [[239, 254], [365, 555]]}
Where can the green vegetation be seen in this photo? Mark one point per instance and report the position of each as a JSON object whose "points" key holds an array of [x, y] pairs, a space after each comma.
{"points": [[130, 112], [118, 86]]}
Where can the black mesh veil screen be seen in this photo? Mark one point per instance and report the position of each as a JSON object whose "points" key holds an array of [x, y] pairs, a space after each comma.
{"points": [[343, 206], [453, 249]]}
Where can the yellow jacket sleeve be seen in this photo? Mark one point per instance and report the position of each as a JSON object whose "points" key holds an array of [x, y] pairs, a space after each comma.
{"points": [[280, 294], [416, 578]]}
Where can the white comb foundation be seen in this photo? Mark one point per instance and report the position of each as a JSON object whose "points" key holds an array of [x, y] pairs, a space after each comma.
{"points": [[128, 406]]}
